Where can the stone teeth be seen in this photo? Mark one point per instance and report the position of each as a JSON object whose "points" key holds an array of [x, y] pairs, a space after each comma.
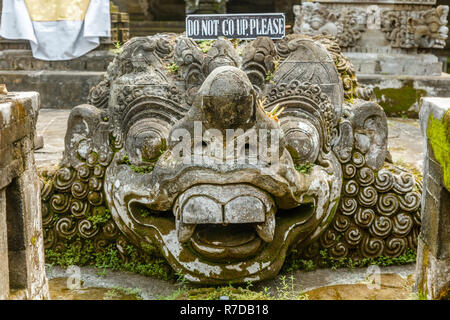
{"points": [[266, 230], [185, 231]]}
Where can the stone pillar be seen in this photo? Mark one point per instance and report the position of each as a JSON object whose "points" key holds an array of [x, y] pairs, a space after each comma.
{"points": [[4, 270], [433, 253], [22, 265]]}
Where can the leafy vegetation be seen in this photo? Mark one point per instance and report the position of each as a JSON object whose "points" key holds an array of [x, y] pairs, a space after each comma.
{"points": [[284, 291], [205, 45], [138, 169], [172, 67], [116, 292], [295, 261], [150, 264], [100, 215], [117, 48]]}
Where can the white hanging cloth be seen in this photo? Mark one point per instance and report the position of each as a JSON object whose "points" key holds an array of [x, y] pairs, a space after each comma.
{"points": [[57, 29]]}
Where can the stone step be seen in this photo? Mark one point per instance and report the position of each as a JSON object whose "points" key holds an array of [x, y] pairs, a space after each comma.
{"points": [[146, 28], [22, 59]]}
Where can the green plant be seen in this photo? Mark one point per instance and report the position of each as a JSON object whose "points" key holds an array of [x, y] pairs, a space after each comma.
{"points": [[172, 67], [295, 261], [118, 49], [100, 215], [286, 290], [305, 167], [205, 45], [138, 169], [269, 76]]}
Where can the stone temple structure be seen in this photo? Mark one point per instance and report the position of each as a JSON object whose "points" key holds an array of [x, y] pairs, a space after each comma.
{"points": [[228, 157], [392, 44], [380, 37]]}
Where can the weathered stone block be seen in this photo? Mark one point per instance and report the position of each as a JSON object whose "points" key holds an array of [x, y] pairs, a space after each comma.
{"points": [[57, 89], [4, 270], [433, 260], [22, 273]]}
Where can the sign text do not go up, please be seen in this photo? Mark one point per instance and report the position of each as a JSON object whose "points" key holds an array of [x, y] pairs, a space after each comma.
{"points": [[235, 26]]}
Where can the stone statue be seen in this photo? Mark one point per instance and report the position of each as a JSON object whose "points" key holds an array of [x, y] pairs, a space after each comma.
{"points": [[346, 25], [228, 158]]}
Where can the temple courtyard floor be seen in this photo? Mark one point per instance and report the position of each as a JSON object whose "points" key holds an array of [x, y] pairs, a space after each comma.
{"points": [[394, 282]]}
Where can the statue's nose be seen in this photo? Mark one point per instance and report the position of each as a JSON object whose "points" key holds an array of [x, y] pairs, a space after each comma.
{"points": [[228, 112]]}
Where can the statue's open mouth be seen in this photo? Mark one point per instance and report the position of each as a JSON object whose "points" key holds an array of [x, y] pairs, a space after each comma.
{"points": [[226, 243], [224, 223]]}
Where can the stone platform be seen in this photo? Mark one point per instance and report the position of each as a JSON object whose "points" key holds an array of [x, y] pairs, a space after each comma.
{"points": [[59, 89], [399, 95]]}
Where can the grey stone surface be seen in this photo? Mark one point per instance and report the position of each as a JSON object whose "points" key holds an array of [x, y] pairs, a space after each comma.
{"points": [[58, 89], [374, 24], [22, 248], [405, 142], [4, 269], [395, 63], [52, 126], [433, 262]]}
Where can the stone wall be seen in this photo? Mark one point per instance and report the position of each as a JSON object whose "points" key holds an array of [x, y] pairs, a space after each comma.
{"points": [[22, 268], [433, 256]]}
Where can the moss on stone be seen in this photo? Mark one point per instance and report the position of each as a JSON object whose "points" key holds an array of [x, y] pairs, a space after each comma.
{"points": [[438, 133], [295, 261], [397, 101], [85, 254], [304, 167]]}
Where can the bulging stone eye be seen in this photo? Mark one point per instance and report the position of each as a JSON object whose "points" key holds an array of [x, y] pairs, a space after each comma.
{"points": [[144, 144], [303, 142]]}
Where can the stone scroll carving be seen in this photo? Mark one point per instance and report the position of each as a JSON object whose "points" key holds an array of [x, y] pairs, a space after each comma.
{"points": [[151, 162]]}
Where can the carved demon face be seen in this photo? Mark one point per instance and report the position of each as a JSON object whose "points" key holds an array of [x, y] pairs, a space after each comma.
{"points": [[224, 161]]}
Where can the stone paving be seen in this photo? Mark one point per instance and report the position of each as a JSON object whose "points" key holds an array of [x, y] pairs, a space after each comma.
{"points": [[394, 283]]}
